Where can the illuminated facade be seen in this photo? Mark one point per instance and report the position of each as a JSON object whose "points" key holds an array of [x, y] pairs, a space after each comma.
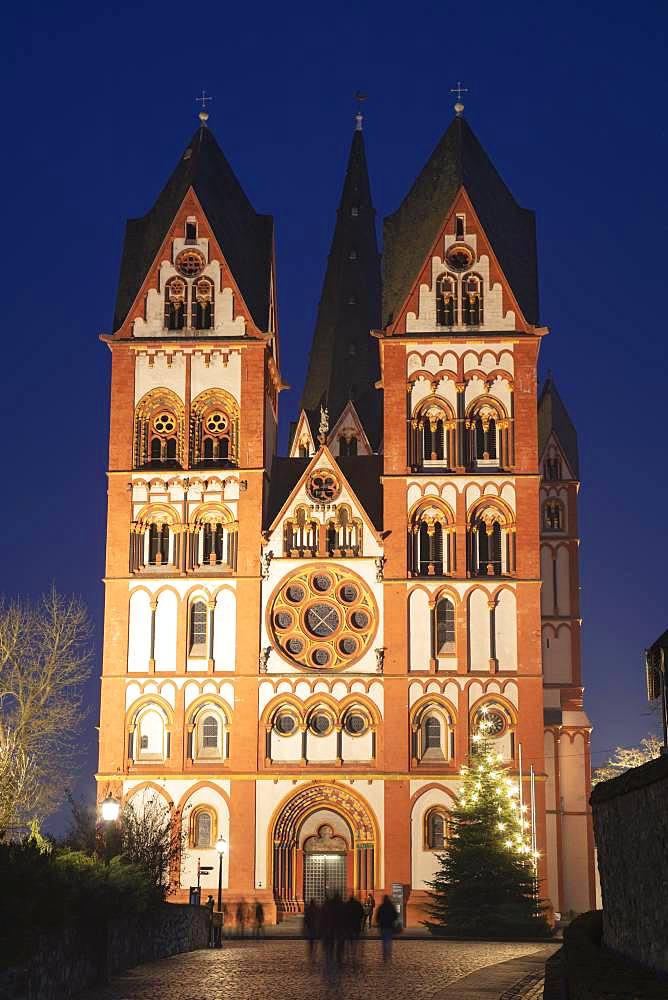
{"points": [[297, 648]]}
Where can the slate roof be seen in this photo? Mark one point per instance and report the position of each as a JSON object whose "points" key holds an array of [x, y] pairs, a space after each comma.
{"points": [[363, 472], [343, 363], [553, 418], [408, 234], [245, 238]]}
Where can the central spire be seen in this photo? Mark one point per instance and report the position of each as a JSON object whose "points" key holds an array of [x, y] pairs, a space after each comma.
{"points": [[343, 364]]}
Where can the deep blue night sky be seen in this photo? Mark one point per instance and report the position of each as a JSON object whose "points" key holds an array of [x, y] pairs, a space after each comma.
{"points": [[569, 101]]}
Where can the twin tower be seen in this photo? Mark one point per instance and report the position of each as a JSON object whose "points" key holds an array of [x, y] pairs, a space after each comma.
{"points": [[298, 650]]}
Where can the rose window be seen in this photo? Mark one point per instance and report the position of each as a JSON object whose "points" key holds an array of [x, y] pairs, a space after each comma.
{"points": [[189, 263], [491, 723], [323, 619], [323, 486]]}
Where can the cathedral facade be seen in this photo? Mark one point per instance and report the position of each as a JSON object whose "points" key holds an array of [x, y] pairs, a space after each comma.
{"points": [[298, 650]]}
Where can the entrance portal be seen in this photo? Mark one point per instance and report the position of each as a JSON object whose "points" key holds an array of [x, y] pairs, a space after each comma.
{"points": [[324, 875]]}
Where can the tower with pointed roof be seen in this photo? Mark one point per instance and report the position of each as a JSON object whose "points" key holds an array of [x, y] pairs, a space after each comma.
{"points": [[298, 649]]}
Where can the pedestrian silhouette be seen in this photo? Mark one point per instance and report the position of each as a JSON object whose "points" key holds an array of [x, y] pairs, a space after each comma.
{"points": [[369, 907], [242, 913], [258, 922], [311, 928], [386, 918]]}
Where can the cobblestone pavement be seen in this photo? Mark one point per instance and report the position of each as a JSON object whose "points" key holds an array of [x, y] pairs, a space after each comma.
{"points": [[245, 970]]}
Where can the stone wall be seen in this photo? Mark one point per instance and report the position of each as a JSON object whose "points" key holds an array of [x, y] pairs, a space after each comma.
{"points": [[62, 965], [631, 831]]}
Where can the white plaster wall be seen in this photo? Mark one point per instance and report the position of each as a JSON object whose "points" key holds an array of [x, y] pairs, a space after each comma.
{"points": [[575, 864], [547, 589], [165, 631], [139, 639], [505, 620], [286, 748], [551, 841], [420, 635], [225, 631], [321, 748], [424, 863], [563, 581], [168, 371], [557, 655], [357, 748], [223, 371], [478, 631]]}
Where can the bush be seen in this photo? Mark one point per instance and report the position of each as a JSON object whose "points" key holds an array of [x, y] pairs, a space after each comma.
{"points": [[45, 890]]}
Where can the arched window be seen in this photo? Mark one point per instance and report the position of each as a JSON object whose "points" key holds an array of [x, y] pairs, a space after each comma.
{"points": [[446, 300], [158, 544], [491, 542], [175, 304], [432, 433], [214, 429], [488, 433], [199, 622], [301, 534], [553, 515], [435, 829], [202, 304], [432, 733], [552, 468], [431, 549], [431, 542], [158, 434], [445, 627], [347, 446], [150, 732], [472, 300], [209, 734], [202, 829], [344, 534]]}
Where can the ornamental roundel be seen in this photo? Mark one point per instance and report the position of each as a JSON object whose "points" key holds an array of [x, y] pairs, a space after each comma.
{"points": [[460, 257], [189, 263], [323, 486], [323, 618]]}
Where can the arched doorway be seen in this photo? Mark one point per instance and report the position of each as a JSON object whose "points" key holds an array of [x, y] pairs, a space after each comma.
{"points": [[324, 841]]}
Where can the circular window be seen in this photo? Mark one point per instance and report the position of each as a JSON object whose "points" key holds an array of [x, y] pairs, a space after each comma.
{"points": [[285, 724], [164, 423], [491, 723], [189, 263], [320, 724], [216, 423], [460, 257], [323, 486], [359, 619], [322, 618], [347, 645], [355, 724]]}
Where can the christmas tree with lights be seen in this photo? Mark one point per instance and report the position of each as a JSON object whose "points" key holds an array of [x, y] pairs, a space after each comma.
{"points": [[486, 883]]}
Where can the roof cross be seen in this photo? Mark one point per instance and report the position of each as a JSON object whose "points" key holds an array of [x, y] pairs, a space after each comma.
{"points": [[204, 114], [459, 90], [359, 117]]}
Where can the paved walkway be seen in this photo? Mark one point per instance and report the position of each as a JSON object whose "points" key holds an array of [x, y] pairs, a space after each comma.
{"points": [[419, 970]]}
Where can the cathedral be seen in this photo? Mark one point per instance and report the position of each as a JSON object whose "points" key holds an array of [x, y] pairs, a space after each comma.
{"points": [[298, 649]]}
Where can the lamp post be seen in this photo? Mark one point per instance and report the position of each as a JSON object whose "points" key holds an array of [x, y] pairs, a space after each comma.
{"points": [[221, 847], [109, 809]]}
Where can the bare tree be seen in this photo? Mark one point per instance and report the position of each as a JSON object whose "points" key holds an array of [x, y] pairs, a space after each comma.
{"points": [[45, 660], [152, 836], [624, 758], [19, 788]]}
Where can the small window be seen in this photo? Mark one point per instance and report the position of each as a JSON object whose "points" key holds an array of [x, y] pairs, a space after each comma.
{"points": [[459, 227], [436, 830], [355, 724], [445, 627], [354, 211], [203, 829], [353, 254], [432, 733], [320, 724], [191, 231], [285, 724], [210, 732], [198, 628], [143, 743]]}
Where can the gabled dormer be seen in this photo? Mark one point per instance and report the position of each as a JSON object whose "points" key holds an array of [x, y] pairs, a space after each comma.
{"points": [[459, 252], [302, 438], [201, 262], [557, 438], [348, 438]]}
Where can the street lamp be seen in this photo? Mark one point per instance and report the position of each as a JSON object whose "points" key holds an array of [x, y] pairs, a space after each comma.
{"points": [[109, 809], [221, 847]]}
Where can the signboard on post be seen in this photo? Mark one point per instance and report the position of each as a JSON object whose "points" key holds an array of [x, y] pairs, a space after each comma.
{"points": [[398, 900]]}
